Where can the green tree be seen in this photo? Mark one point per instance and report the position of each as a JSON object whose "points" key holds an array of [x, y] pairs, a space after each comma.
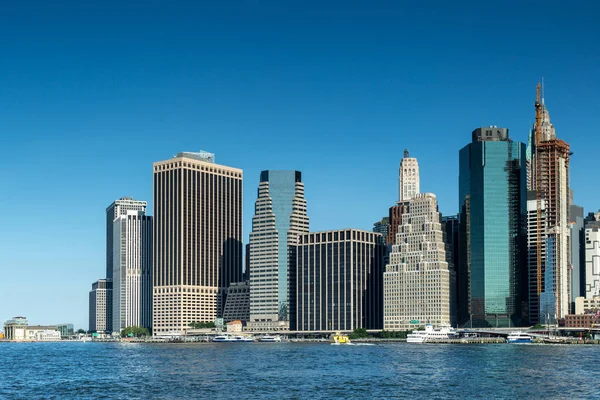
{"points": [[201, 325], [81, 331], [359, 333], [538, 326], [135, 331]]}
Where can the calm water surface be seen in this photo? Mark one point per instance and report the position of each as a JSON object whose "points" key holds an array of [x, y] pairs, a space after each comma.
{"points": [[297, 371]]}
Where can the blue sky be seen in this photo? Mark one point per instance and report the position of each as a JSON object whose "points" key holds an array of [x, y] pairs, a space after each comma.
{"points": [[92, 94]]}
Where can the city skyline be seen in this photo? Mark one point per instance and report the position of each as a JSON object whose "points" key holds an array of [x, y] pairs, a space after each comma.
{"points": [[306, 101]]}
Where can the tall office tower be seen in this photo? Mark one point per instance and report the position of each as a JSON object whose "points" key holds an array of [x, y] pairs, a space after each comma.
{"points": [[116, 209], [132, 270], [337, 281], [549, 177], [492, 201], [592, 257], [100, 312], [577, 226], [417, 281], [451, 228], [533, 302], [280, 216], [197, 239], [382, 227], [408, 181]]}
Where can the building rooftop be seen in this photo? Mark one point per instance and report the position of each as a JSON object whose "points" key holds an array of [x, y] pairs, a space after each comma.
{"points": [[200, 156]]}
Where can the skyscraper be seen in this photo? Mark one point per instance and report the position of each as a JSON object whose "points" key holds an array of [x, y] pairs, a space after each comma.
{"points": [[549, 178], [337, 281], [100, 311], [116, 209], [492, 201], [382, 227], [408, 181], [418, 280], [577, 226], [197, 239], [592, 257], [132, 270], [280, 216]]}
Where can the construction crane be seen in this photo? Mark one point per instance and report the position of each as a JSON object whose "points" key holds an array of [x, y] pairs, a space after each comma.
{"points": [[538, 189]]}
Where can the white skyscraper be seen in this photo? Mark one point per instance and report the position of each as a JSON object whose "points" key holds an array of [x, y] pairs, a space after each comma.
{"points": [[132, 270], [409, 185], [417, 281]]}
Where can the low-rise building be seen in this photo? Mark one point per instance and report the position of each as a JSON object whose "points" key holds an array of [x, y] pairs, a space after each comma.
{"points": [[587, 306], [18, 329], [47, 335], [580, 321], [234, 326], [65, 330]]}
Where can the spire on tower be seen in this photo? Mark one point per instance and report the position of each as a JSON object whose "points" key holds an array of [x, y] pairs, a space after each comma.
{"points": [[406, 153]]}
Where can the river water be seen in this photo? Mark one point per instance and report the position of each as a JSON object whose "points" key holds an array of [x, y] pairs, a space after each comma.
{"points": [[75, 370]]}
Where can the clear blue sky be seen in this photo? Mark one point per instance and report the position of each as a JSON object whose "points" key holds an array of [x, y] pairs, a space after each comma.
{"points": [[91, 95]]}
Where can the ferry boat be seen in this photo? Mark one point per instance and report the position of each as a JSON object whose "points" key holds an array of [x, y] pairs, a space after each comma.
{"points": [[242, 338], [223, 338], [338, 339], [269, 339], [430, 333], [519, 337]]}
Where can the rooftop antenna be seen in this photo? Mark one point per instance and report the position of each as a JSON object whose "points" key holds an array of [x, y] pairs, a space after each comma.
{"points": [[543, 90]]}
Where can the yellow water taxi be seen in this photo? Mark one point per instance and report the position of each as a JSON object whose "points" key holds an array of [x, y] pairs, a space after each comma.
{"points": [[338, 338]]}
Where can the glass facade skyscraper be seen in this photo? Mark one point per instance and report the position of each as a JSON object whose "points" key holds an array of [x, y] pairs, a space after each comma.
{"points": [[280, 216], [492, 201]]}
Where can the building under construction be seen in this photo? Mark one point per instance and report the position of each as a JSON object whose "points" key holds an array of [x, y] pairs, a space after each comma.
{"points": [[549, 248]]}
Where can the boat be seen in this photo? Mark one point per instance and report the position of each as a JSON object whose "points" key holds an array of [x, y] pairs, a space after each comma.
{"points": [[338, 339], [223, 338], [244, 339], [431, 334], [519, 337], [269, 339]]}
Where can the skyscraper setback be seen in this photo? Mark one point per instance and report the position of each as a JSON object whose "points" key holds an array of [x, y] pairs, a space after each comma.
{"points": [[280, 216], [197, 239], [549, 179]]}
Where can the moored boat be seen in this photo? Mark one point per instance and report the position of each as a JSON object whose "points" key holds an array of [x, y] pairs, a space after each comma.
{"points": [[269, 339], [223, 338], [519, 337]]}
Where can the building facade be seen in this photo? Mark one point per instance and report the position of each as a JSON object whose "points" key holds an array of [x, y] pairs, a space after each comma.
{"points": [[577, 225], [337, 280], [197, 240], [280, 216], [382, 228], [492, 201], [533, 300], [100, 312], [408, 180], [592, 259], [549, 178], [237, 305], [418, 279], [132, 270], [116, 209]]}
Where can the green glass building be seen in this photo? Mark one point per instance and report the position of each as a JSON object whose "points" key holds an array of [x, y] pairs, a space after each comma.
{"points": [[492, 252]]}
